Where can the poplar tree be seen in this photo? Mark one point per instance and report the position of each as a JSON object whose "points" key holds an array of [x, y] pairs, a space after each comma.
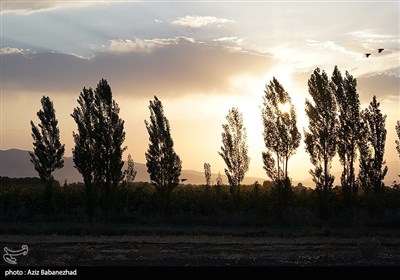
{"points": [[98, 144], [219, 180], [397, 141], [320, 138], [281, 136], [163, 164], [83, 153], [348, 135], [234, 151], [48, 151], [372, 148], [109, 137], [207, 173], [130, 172]]}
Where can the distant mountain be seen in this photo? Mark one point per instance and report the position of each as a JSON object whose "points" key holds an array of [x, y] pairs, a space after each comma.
{"points": [[16, 163]]}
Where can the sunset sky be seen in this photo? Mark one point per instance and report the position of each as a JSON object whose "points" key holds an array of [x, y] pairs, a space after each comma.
{"points": [[200, 59]]}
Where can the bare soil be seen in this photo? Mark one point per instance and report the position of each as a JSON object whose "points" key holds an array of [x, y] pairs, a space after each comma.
{"points": [[204, 250]]}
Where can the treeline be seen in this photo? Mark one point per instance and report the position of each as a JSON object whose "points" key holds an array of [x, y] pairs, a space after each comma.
{"points": [[256, 205], [337, 124], [27, 181]]}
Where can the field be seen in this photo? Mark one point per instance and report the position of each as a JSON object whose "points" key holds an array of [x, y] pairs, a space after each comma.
{"points": [[213, 246], [202, 227]]}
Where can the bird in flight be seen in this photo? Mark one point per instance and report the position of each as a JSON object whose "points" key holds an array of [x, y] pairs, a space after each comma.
{"points": [[380, 50], [367, 54], [183, 180]]}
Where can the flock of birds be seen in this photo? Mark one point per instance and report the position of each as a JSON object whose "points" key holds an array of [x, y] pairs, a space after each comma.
{"points": [[368, 54]]}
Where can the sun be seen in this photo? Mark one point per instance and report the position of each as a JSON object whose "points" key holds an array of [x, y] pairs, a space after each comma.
{"points": [[284, 107]]}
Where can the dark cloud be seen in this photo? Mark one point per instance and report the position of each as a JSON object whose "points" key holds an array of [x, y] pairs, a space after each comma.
{"points": [[172, 70], [383, 85]]}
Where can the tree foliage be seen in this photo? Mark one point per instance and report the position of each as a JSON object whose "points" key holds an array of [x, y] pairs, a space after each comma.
{"points": [[281, 136], [372, 148], [48, 151], [110, 136], [98, 143], [397, 141], [84, 150], [163, 164], [320, 138], [348, 104], [219, 179], [207, 173], [234, 150], [130, 172]]}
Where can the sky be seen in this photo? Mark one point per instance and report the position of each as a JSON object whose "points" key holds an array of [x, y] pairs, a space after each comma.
{"points": [[200, 58]]}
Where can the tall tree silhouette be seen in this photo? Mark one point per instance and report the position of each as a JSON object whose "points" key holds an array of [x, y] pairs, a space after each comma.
{"points": [[281, 136], [109, 138], [372, 148], [320, 139], [98, 143], [130, 172], [397, 141], [235, 151], [84, 151], [48, 151], [348, 103], [219, 179], [163, 164], [207, 173]]}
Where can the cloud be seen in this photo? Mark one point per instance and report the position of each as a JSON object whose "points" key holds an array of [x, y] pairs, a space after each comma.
{"points": [[145, 46], [371, 36], [32, 6], [176, 67], [236, 40], [329, 45], [9, 50], [125, 46], [200, 21], [371, 40], [384, 85]]}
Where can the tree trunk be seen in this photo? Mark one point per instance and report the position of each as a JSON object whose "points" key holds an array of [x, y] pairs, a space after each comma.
{"points": [[277, 160], [326, 205], [48, 197], [286, 167]]}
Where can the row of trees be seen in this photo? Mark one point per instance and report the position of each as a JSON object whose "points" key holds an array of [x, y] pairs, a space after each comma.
{"points": [[336, 124], [98, 149]]}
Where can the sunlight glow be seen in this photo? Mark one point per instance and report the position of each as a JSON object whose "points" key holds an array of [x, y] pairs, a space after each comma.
{"points": [[284, 75], [284, 107]]}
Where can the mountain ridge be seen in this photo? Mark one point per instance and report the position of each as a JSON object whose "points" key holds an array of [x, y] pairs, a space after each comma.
{"points": [[15, 163]]}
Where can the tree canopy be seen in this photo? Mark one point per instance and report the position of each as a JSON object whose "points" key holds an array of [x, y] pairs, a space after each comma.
{"points": [[163, 164], [234, 150]]}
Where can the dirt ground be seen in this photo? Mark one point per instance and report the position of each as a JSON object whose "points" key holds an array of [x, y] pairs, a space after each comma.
{"points": [[203, 250]]}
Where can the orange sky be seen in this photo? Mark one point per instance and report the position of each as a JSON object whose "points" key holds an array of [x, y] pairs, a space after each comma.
{"points": [[200, 59]]}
